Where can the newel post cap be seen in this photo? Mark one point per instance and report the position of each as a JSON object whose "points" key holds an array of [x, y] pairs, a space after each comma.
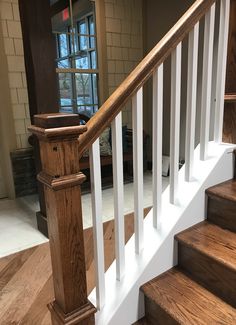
{"points": [[57, 125]]}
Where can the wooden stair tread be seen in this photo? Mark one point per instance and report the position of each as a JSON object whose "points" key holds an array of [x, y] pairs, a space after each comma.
{"points": [[225, 190], [213, 241], [186, 301]]}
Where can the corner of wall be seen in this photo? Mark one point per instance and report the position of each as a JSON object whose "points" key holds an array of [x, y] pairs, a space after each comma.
{"points": [[14, 109]]}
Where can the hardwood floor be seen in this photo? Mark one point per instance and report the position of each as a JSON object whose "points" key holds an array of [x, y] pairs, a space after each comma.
{"points": [[26, 277], [26, 287]]}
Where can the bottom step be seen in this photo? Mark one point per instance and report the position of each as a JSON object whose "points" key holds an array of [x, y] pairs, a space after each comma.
{"points": [[173, 298]]}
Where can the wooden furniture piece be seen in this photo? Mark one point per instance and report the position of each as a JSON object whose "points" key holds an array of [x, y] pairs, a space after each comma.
{"points": [[229, 133], [107, 160], [61, 177]]}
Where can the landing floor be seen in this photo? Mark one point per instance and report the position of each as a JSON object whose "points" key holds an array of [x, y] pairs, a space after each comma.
{"points": [[18, 226]]}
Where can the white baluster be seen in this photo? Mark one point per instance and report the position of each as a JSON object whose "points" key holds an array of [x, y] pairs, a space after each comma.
{"points": [[96, 196], [207, 82], [175, 122], [221, 68], [137, 113], [118, 184], [157, 144], [191, 101]]}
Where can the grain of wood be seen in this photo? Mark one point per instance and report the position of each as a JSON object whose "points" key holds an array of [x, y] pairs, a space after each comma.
{"points": [[217, 243], [26, 285], [186, 302]]}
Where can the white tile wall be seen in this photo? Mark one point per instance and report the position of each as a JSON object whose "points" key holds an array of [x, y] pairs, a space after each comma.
{"points": [[13, 46], [124, 43]]}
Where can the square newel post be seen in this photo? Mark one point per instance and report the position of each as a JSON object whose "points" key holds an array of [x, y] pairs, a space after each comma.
{"points": [[58, 139]]}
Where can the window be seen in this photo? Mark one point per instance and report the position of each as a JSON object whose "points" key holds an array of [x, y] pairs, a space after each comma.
{"points": [[77, 64]]}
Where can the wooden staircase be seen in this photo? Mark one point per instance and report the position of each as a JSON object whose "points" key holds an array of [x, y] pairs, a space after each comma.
{"points": [[63, 141], [201, 289]]}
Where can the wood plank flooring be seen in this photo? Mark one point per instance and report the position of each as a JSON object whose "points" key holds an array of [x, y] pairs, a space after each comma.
{"points": [[26, 277]]}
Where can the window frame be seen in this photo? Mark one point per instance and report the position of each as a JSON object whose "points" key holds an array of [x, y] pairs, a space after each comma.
{"points": [[74, 53]]}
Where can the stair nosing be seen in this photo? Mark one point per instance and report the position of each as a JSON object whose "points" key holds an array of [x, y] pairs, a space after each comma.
{"points": [[230, 266], [163, 306], [220, 196], [210, 191]]}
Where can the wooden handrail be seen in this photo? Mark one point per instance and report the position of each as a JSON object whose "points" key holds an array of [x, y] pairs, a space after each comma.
{"points": [[111, 108]]}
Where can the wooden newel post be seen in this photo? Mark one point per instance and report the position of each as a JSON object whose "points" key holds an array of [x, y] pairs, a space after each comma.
{"points": [[58, 138]]}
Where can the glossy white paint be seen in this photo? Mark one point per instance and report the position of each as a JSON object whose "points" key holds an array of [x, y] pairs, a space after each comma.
{"points": [[191, 101], [221, 69], [137, 115], [175, 122], [118, 185], [207, 82], [96, 198], [157, 144]]}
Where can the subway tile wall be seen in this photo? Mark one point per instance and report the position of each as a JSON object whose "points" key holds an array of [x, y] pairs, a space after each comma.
{"points": [[13, 46], [124, 43]]}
